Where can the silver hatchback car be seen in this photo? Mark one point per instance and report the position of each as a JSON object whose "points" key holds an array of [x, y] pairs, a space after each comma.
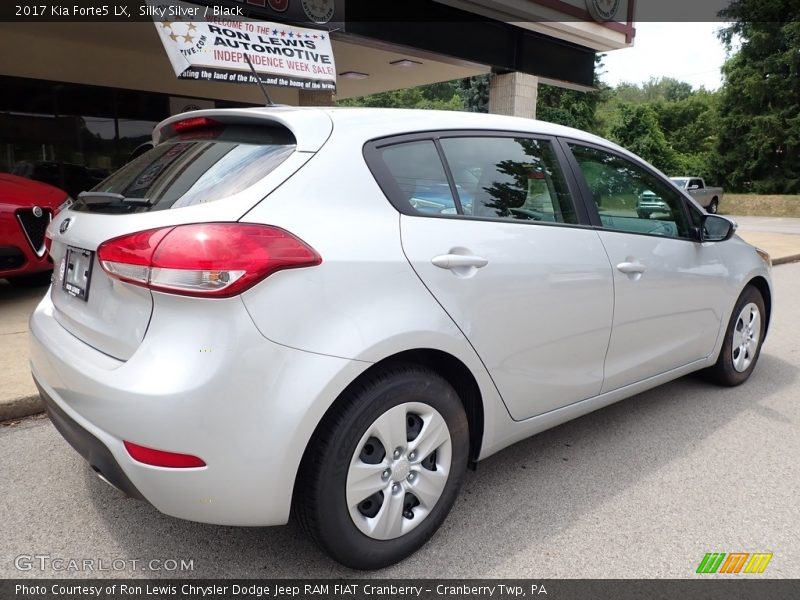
{"points": [[332, 313]]}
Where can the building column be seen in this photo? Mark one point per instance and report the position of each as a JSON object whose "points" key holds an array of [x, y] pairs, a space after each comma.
{"points": [[315, 98], [513, 94]]}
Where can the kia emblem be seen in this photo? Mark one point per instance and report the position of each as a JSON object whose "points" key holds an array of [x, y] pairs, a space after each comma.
{"points": [[65, 225]]}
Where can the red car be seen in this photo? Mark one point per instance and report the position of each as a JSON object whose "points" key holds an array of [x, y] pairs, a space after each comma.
{"points": [[26, 208]]}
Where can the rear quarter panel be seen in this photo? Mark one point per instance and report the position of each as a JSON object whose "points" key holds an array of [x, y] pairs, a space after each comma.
{"points": [[364, 302]]}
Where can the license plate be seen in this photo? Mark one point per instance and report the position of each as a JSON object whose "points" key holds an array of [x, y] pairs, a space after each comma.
{"points": [[78, 272]]}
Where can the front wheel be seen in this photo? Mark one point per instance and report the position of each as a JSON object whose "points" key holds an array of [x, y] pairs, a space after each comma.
{"points": [[384, 468], [743, 339], [713, 208]]}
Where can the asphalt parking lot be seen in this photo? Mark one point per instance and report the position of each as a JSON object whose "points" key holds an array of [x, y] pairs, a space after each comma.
{"points": [[643, 488]]}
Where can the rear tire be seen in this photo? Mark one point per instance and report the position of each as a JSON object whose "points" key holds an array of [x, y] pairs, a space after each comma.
{"points": [[371, 445], [743, 339], [713, 208]]}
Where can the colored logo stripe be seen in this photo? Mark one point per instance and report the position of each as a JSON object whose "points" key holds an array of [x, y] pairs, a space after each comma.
{"points": [[714, 562], [711, 562], [758, 562], [734, 562]]}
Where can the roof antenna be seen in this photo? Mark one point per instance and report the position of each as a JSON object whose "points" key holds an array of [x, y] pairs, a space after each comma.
{"points": [[258, 79]]}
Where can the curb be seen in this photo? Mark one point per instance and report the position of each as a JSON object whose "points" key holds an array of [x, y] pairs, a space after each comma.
{"points": [[786, 259], [23, 406]]}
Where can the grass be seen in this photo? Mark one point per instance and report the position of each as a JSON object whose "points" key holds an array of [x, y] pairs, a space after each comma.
{"points": [[760, 205]]}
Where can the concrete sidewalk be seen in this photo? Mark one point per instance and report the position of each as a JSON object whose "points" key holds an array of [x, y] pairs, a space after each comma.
{"points": [[780, 236], [18, 395], [783, 248]]}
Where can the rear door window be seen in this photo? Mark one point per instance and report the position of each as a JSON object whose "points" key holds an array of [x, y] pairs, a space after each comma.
{"points": [[192, 168], [417, 178], [509, 178]]}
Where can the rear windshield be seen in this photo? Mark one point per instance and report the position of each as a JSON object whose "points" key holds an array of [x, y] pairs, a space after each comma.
{"points": [[192, 168]]}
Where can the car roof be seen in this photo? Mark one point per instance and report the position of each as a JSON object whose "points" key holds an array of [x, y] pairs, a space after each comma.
{"points": [[377, 122], [312, 126]]}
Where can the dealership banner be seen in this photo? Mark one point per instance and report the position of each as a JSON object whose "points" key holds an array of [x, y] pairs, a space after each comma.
{"points": [[214, 48]]}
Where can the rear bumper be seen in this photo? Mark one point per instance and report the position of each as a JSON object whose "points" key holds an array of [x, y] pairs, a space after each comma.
{"points": [[203, 382], [92, 449]]}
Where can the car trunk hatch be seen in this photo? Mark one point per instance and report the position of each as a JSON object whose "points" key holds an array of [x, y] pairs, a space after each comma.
{"points": [[215, 171]]}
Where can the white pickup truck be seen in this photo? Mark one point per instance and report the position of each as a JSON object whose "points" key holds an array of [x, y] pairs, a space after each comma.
{"points": [[707, 197]]}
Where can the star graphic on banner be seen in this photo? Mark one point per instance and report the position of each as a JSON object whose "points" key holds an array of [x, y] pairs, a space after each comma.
{"points": [[274, 32], [188, 38], [192, 27], [283, 33], [291, 35], [322, 37], [166, 24], [173, 36]]}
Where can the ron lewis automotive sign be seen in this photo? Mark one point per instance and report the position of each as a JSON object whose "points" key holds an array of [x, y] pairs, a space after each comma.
{"points": [[215, 49]]}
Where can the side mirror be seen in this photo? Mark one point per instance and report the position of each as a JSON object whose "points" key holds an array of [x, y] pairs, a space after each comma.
{"points": [[716, 229], [694, 187]]}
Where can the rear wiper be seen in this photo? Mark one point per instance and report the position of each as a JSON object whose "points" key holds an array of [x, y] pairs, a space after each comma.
{"points": [[110, 198]]}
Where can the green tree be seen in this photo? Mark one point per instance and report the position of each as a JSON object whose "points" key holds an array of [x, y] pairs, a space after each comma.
{"points": [[759, 123], [573, 108], [637, 129], [475, 92], [439, 96], [690, 128], [665, 88], [569, 107]]}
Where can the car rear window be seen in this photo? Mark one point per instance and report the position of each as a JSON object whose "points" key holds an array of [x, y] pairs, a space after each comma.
{"points": [[192, 168]]}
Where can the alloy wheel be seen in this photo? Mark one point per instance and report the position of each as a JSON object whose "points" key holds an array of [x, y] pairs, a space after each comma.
{"points": [[746, 335]]}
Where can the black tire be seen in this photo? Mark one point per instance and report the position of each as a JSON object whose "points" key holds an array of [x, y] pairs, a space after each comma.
{"points": [[713, 208], [319, 502], [37, 280], [723, 372]]}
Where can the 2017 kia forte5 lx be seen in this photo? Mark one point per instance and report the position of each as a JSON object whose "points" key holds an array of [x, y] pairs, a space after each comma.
{"points": [[331, 313]]}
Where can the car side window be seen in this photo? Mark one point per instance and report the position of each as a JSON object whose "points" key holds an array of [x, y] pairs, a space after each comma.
{"points": [[419, 177], [629, 198], [697, 183], [509, 178]]}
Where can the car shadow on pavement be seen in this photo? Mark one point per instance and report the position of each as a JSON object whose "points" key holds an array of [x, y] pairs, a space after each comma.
{"points": [[512, 504], [17, 293]]}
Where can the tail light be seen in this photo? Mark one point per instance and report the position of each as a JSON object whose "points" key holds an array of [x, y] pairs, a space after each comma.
{"points": [[215, 260]]}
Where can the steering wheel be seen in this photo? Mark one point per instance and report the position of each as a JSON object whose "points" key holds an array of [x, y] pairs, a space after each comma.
{"points": [[526, 213]]}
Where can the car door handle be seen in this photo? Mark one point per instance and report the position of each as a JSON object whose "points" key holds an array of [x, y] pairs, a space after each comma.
{"points": [[456, 261], [630, 268]]}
